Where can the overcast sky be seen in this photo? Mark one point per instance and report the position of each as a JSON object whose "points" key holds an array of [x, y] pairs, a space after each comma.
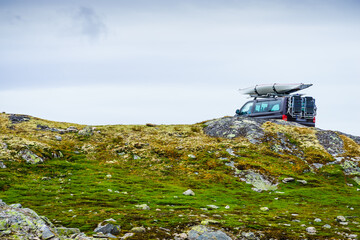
{"points": [[170, 62]]}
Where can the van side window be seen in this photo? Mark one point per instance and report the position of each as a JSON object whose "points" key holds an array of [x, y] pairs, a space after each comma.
{"points": [[246, 109], [267, 106]]}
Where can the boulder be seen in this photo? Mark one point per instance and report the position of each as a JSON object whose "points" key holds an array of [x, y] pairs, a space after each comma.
{"points": [[30, 157], [2, 165], [138, 230], [232, 127], [108, 228], [340, 219], [18, 118], [201, 232], [287, 180], [311, 230], [86, 131], [23, 223], [259, 181], [143, 206], [331, 142], [189, 192]]}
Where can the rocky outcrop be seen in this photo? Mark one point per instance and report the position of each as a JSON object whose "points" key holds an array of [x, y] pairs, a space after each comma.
{"points": [[23, 223], [30, 157], [70, 129], [18, 118], [233, 127], [331, 142], [86, 131], [201, 232]]}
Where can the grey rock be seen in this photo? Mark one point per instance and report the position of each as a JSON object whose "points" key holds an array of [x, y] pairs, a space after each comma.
{"points": [[287, 180], [136, 157], [327, 226], [110, 235], [258, 180], [47, 233], [331, 142], [232, 127], [213, 206], [311, 230], [2, 203], [138, 230], [302, 181], [143, 206], [317, 220], [24, 223], [30, 157], [17, 118], [201, 232], [86, 131], [340, 219], [191, 156], [264, 209], [257, 190], [189, 192], [108, 228], [127, 235], [2, 165], [351, 167], [249, 236], [15, 205], [231, 152], [58, 138], [4, 145], [317, 165], [72, 129]]}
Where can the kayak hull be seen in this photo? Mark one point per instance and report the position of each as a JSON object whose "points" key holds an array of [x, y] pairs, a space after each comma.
{"points": [[274, 89]]}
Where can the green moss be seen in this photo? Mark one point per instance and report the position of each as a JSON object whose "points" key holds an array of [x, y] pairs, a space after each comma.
{"points": [[96, 177]]}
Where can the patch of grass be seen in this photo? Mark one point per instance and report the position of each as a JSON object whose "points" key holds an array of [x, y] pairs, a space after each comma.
{"points": [[98, 177]]}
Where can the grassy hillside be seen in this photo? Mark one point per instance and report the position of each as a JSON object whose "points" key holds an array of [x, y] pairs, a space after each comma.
{"points": [[107, 171]]}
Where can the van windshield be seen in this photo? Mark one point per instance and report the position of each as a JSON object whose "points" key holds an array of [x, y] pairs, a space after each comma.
{"points": [[267, 106], [246, 109]]}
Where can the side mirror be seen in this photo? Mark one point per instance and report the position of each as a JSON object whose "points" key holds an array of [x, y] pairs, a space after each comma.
{"points": [[237, 111]]}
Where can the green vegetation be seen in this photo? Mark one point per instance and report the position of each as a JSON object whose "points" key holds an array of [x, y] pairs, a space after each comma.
{"points": [[87, 179]]}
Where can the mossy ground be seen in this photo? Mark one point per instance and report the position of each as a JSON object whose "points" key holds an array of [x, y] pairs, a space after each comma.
{"points": [[105, 175]]}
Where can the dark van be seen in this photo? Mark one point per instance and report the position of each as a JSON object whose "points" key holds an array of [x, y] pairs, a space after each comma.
{"points": [[294, 108]]}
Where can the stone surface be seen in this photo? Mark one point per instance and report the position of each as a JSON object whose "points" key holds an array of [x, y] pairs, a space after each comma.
{"points": [[311, 230], [138, 230], [264, 209], [302, 181], [213, 206], [189, 192], [24, 223], [143, 206], [232, 127], [30, 157], [86, 131], [331, 142], [351, 167], [287, 180], [2, 165], [201, 232], [108, 228], [58, 138], [18, 118], [259, 181], [340, 219]]}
